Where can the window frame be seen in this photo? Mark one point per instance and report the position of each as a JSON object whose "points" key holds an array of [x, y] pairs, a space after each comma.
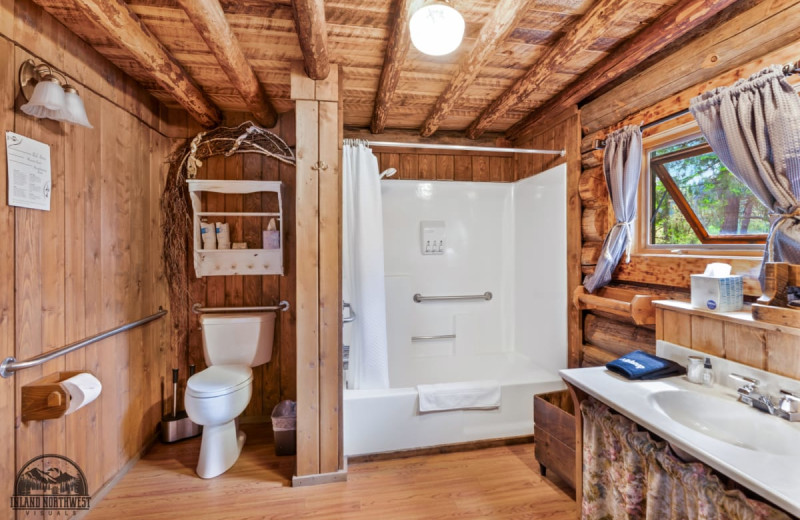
{"points": [[728, 245]]}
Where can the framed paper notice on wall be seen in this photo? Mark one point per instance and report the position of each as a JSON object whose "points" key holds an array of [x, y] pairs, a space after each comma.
{"points": [[28, 172]]}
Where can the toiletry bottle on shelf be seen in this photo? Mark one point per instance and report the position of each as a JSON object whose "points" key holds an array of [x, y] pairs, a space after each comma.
{"points": [[708, 373]]}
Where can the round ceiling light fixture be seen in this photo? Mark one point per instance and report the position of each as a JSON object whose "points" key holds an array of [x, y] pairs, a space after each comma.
{"points": [[436, 29]]}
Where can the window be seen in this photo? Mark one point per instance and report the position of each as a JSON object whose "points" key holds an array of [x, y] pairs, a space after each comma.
{"points": [[694, 200]]}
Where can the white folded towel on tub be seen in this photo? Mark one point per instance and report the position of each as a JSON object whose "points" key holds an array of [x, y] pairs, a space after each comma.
{"points": [[481, 395]]}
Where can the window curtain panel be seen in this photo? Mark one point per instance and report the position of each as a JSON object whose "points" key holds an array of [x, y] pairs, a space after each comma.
{"points": [[622, 165], [362, 266], [627, 475], [754, 128]]}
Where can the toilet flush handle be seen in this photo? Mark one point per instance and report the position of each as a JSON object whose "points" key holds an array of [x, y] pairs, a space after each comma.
{"points": [[351, 317]]}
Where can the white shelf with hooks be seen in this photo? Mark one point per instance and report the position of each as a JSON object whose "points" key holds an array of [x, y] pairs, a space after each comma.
{"points": [[221, 262]]}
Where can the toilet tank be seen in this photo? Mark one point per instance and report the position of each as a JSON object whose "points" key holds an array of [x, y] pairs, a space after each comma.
{"points": [[238, 339]]}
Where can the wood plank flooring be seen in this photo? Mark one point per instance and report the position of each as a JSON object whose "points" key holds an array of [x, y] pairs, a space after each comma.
{"points": [[495, 483]]}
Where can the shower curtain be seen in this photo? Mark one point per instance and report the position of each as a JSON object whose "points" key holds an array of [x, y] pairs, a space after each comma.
{"points": [[362, 267]]}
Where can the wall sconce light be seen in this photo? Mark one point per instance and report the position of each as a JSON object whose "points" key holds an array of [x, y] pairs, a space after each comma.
{"points": [[48, 97]]}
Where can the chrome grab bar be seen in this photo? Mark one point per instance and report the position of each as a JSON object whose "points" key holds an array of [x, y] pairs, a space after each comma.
{"points": [[282, 306], [485, 296], [10, 365], [352, 314], [428, 338]]}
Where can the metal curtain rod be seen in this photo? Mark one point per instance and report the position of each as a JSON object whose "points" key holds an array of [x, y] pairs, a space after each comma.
{"points": [[10, 365], [428, 146], [599, 144], [282, 306]]}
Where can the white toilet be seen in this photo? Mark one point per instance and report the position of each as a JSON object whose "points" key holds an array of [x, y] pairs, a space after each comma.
{"points": [[216, 396]]}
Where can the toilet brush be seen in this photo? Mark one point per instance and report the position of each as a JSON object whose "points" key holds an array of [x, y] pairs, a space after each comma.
{"points": [[177, 426]]}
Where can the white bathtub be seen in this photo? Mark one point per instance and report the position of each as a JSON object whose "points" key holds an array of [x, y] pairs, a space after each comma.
{"points": [[378, 421]]}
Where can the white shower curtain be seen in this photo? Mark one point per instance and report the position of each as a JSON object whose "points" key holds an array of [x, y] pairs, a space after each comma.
{"points": [[362, 264]]}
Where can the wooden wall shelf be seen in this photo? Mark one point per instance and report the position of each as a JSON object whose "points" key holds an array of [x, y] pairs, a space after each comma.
{"points": [[622, 302], [222, 262]]}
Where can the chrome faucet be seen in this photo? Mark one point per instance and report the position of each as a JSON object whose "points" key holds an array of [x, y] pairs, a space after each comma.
{"points": [[788, 406]]}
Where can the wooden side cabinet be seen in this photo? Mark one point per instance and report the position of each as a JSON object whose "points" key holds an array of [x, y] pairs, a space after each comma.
{"points": [[554, 434]]}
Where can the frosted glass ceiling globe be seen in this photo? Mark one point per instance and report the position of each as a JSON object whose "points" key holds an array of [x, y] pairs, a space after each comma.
{"points": [[436, 29]]}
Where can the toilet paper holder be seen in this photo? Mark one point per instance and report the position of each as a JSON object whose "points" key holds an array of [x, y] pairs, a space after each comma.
{"points": [[46, 398]]}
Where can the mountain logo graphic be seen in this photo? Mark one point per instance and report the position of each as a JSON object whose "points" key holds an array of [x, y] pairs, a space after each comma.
{"points": [[50, 482]]}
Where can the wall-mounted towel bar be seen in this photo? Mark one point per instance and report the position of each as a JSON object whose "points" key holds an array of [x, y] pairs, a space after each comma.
{"points": [[485, 296], [282, 306], [431, 338], [10, 365]]}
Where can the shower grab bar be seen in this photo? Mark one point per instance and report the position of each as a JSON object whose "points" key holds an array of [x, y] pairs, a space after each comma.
{"points": [[485, 296], [282, 306], [10, 365], [429, 338]]}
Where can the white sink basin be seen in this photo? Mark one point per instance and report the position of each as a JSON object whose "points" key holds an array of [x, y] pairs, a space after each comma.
{"points": [[728, 420]]}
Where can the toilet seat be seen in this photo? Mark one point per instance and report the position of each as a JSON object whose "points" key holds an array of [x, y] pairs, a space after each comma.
{"points": [[219, 380]]}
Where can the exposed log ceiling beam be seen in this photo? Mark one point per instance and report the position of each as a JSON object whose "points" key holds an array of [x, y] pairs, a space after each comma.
{"points": [[579, 36], [682, 18], [309, 21], [209, 19], [128, 31], [396, 51], [501, 22]]}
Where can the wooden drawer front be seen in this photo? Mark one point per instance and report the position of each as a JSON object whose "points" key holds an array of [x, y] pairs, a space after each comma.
{"points": [[555, 455]]}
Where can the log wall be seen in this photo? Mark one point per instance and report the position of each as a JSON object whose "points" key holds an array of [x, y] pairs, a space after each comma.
{"points": [[764, 34], [91, 263]]}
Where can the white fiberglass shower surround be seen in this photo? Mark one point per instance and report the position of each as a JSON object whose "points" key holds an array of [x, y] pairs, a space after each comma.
{"points": [[505, 238]]}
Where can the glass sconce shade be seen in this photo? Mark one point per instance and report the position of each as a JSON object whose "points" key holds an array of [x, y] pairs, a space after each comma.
{"points": [[73, 111], [436, 29], [47, 99]]}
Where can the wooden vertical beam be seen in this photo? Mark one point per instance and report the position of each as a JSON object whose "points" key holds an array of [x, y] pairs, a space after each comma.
{"points": [[497, 27], [209, 19], [128, 31], [572, 145], [577, 38], [307, 250], [396, 51], [309, 20]]}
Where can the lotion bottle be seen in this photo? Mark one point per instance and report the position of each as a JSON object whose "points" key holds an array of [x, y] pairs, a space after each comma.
{"points": [[708, 373]]}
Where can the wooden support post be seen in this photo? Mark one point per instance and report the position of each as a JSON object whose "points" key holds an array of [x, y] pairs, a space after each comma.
{"points": [[312, 31], [318, 301]]}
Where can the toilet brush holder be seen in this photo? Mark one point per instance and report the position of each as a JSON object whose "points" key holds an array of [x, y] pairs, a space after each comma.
{"points": [[177, 427]]}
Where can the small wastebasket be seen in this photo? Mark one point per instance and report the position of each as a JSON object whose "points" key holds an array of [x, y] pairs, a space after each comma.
{"points": [[284, 427]]}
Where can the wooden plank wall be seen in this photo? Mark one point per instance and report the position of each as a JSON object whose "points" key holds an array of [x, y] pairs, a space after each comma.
{"points": [[563, 132], [88, 264], [443, 165], [276, 380], [766, 33]]}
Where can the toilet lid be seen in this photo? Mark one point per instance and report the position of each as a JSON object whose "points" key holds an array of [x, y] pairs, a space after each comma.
{"points": [[219, 380]]}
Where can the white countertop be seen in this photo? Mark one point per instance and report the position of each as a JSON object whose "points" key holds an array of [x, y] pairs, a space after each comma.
{"points": [[774, 477]]}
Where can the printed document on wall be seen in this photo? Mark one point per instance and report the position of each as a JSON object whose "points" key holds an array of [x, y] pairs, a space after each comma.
{"points": [[28, 172]]}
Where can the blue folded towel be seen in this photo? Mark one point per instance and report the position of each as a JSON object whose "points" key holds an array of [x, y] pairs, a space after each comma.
{"points": [[641, 365]]}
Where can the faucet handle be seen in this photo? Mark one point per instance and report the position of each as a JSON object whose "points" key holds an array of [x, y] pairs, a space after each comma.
{"points": [[790, 402], [750, 383]]}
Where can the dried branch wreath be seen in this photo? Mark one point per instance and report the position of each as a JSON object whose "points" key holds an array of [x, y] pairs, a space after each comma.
{"points": [[176, 206]]}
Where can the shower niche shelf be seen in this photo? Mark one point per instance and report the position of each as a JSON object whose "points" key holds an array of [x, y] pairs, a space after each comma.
{"points": [[251, 261]]}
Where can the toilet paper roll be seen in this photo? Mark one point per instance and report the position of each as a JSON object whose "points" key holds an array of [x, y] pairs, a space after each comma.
{"points": [[82, 389]]}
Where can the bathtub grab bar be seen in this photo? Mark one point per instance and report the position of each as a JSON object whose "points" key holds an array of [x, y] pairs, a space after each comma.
{"points": [[10, 365], [282, 306], [485, 296], [428, 338]]}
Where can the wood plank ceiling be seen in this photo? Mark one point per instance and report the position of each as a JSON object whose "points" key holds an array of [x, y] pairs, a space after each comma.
{"points": [[509, 64]]}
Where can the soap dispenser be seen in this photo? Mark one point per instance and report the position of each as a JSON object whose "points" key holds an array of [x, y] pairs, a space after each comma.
{"points": [[708, 373]]}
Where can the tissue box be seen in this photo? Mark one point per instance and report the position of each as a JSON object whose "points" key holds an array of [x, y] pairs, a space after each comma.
{"points": [[717, 294]]}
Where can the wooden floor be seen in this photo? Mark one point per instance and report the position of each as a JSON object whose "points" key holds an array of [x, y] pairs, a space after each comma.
{"points": [[495, 483]]}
